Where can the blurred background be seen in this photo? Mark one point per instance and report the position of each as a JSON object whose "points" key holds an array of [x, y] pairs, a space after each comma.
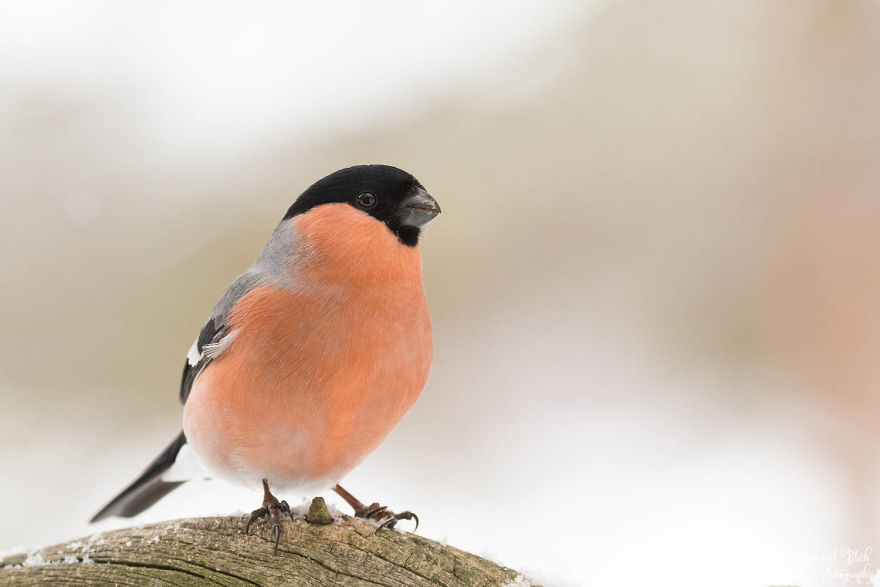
{"points": [[655, 285]]}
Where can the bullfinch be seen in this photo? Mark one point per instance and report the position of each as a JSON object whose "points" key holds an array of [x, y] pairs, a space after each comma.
{"points": [[312, 355]]}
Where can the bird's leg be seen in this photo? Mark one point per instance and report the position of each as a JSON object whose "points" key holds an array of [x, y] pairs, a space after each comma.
{"points": [[272, 508], [375, 511]]}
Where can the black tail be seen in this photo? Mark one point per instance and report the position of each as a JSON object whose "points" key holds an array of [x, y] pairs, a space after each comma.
{"points": [[147, 489]]}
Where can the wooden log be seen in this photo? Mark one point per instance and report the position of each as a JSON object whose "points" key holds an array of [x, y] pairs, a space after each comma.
{"points": [[215, 551]]}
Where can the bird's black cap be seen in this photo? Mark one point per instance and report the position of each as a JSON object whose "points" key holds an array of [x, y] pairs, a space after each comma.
{"points": [[389, 194]]}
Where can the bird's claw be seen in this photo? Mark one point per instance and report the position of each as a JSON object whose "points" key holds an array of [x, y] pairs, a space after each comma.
{"points": [[391, 522], [273, 509], [276, 529], [285, 508], [255, 515], [373, 511], [378, 513]]}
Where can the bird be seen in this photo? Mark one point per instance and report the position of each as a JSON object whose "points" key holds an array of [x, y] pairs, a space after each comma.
{"points": [[311, 356]]}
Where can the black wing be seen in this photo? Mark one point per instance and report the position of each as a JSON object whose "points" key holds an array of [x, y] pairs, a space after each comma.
{"points": [[211, 334], [209, 344]]}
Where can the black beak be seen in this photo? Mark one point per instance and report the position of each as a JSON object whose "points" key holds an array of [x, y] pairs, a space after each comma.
{"points": [[418, 209]]}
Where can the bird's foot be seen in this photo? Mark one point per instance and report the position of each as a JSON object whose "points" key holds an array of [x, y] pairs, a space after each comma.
{"points": [[379, 513], [272, 509], [374, 511]]}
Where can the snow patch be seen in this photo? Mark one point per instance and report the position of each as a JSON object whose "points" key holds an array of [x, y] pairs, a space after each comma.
{"points": [[34, 560], [300, 510]]}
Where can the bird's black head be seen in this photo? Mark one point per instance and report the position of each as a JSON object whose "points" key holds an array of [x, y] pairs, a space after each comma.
{"points": [[386, 193]]}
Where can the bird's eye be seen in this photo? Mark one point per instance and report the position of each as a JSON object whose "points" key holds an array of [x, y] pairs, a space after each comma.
{"points": [[366, 200]]}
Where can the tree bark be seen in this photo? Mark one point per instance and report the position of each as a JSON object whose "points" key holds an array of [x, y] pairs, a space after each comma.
{"points": [[202, 551]]}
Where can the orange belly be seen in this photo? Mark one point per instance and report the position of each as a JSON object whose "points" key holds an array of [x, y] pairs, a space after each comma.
{"points": [[311, 384]]}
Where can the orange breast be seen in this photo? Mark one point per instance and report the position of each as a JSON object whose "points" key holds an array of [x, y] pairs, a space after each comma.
{"points": [[319, 373]]}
